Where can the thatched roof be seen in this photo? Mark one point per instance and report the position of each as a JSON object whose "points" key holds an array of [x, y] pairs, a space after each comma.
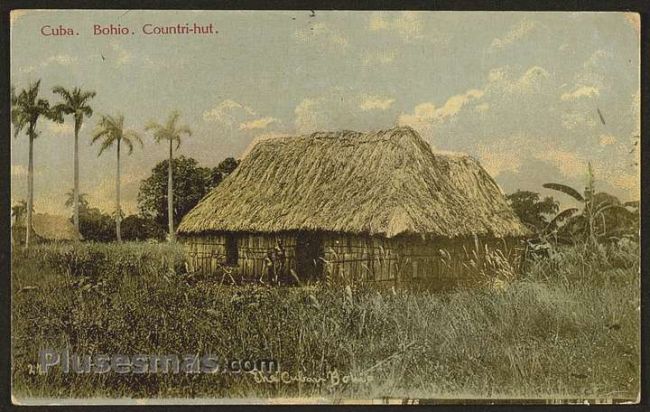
{"points": [[51, 227], [383, 183]]}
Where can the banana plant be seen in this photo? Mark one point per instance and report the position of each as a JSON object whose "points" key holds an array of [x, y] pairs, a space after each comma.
{"points": [[590, 217]]}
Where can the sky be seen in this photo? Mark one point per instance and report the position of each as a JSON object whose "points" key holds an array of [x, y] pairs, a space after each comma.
{"points": [[520, 92]]}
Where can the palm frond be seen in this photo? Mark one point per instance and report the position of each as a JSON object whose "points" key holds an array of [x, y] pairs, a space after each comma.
{"points": [[98, 134], [565, 189], [185, 129], [105, 145], [172, 120], [64, 93], [132, 136], [85, 96], [169, 131], [27, 108], [152, 126], [129, 145], [86, 111]]}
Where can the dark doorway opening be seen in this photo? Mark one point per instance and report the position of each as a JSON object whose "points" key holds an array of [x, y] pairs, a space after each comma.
{"points": [[309, 253], [232, 253]]}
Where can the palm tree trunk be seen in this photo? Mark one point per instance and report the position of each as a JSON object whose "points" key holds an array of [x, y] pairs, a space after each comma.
{"points": [[30, 191], [75, 216], [118, 211], [170, 195]]}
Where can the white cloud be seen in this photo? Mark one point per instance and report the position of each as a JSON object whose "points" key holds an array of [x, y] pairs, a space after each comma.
{"points": [[324, 35], [501, 155], [26, 69], [501, 81], [261, 123], [60, 59], [426, 115], [340, 108], [570, 164], [575, 120], [375, 103], [408, 24], [607, 140], [516, 33], [381, 57], [628, 182], [581, 91], [228, 112], [590, 81], [259, 138], [309, 115], [122, 56]]}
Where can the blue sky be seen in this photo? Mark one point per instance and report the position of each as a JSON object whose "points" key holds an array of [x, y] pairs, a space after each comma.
{"points": [[518, 91]]}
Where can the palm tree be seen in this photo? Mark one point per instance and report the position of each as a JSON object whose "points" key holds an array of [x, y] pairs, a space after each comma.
{"points": [[171, 132], [75, 102], [81, 199], [19, 209], [110, 130], [26, 109]]}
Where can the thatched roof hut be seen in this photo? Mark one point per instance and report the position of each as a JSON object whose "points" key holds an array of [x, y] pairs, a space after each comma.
{"points": [[47, 228], [385, 183], [380, 186]]}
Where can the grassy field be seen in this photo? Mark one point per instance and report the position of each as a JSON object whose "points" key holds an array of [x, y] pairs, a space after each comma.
{"points": [[566, 328]]}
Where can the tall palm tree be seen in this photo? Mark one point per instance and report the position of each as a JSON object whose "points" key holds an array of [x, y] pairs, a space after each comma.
{"points": [[75, 102], [172, 132], [26, 109], [110, 130]]}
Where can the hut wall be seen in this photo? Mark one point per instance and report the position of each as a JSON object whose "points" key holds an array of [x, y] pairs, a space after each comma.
{"points": [[436, 262], [411, 260], [252, 252], [360, 258], [207, 254]]}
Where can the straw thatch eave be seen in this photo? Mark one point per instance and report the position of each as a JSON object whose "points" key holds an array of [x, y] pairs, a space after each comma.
{"points": [[386, 183]]}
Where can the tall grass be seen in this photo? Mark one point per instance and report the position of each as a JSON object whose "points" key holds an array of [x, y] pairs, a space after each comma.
{"points": [[567, 328]]}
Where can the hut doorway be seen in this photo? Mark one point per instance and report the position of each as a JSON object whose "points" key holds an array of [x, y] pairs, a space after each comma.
{"points": [[309, 252], [232, 253]]}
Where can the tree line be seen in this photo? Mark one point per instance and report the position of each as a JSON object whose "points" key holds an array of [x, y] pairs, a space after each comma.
{"points": [[27, 108]]}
